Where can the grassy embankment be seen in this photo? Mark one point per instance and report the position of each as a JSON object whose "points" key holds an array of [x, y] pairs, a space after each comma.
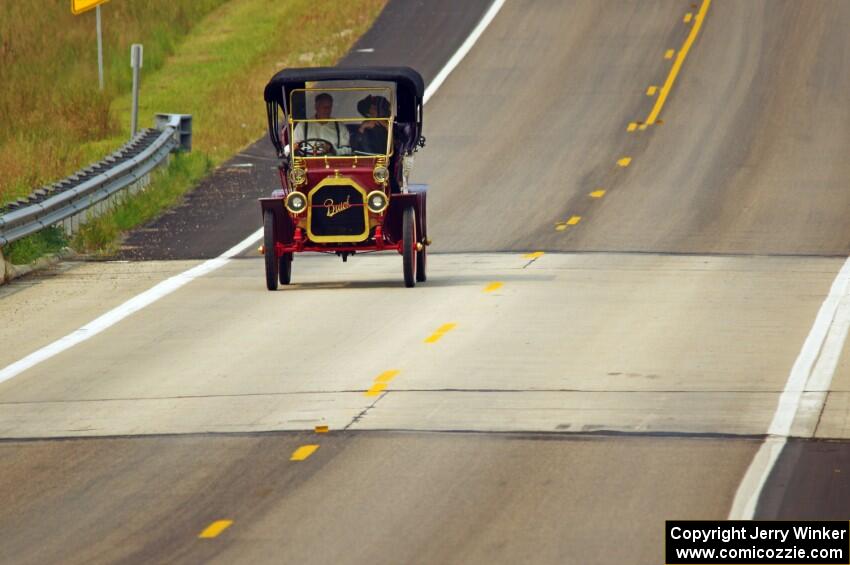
{"points": [[215, 71]]}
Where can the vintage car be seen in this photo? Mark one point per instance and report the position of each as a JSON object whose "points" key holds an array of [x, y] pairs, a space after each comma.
{"points": [[346, 138]]}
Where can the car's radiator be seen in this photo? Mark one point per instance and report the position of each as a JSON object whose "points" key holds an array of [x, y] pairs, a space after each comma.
{"points": [[337, 212]]}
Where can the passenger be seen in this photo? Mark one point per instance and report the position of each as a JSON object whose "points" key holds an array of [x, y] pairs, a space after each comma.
{"points": [[372, 134], [333, 132]]}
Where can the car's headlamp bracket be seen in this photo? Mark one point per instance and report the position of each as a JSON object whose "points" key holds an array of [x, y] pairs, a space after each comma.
{"points": [[297, 176]]}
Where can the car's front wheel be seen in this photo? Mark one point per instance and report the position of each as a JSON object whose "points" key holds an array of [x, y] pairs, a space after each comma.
{"points": [[285, 268], [408, 243], [272, 264]]}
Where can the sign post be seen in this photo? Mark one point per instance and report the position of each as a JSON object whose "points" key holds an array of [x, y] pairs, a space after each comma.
{"points": [[99, 50], [77, 8], [136, 63]]}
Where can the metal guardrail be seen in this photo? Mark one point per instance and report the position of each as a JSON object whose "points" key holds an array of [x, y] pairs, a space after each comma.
{"points": [[99, 182]]}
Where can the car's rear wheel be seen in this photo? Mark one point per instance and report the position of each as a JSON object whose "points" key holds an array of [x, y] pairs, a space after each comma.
{"points": [[285, 268], [408, 232], [268, 251]]}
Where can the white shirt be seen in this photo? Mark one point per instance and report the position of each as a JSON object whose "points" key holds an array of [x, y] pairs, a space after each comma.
{"points": [[326, 131]]}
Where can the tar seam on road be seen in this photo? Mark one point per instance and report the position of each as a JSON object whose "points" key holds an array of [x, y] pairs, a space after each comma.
{"points": [[677, 64]]}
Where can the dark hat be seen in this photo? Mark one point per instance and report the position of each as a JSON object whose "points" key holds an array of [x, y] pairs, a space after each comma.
{"points": [[382, 103]]}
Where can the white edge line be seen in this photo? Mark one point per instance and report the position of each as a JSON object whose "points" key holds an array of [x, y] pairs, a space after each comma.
{"points": [[464, 48], [816, 344], [171, 284]]}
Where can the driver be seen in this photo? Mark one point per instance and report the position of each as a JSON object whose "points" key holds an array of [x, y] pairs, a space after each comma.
{"points": [[334, 133]]}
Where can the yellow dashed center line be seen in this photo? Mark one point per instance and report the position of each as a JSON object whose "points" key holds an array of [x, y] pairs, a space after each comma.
{"points": [[496, 285], [441, 331], [562, 226], [632, 126], [214, 529], [376, 389], [687, 18], [598, 193], [624, 162], [381, 382], [303, 452], [669, 53], [651, 90], [387, 376], [677, 64]]}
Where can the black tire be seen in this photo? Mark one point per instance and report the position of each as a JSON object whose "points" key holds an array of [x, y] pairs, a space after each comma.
{"points": [[268, 244], [285, 268], [408, 243], [421, 262]]}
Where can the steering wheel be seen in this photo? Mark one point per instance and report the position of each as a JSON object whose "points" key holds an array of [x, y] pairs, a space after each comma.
{"points": [[315, 147]]}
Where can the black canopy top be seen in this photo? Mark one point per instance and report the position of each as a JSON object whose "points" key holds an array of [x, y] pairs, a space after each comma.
{"points": [[410, 88]]}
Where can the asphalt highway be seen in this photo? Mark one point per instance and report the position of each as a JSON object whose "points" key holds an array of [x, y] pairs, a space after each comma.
{"points": [[623, 279]]}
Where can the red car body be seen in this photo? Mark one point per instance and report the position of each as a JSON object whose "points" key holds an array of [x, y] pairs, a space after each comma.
{"points": [[346, 204]]}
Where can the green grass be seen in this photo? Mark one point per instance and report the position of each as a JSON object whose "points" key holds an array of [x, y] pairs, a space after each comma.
{"points": [[101, 235], [28, 249]]}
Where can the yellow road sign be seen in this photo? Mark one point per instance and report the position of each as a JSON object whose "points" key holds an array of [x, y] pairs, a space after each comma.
{"points": [[80, 6]]}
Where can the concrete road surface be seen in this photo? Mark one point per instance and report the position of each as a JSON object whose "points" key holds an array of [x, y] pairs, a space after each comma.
{"points": [[531, 407]]}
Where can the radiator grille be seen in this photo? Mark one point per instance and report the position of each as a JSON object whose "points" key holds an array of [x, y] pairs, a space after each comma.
{"points": [[337, 211]]}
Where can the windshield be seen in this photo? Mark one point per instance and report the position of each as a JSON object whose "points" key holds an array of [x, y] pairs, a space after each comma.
{"points": [[341, 121]]}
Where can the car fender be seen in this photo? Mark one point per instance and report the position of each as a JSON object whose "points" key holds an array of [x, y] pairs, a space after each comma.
{"points": [[415, 196], [284, 228]]}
